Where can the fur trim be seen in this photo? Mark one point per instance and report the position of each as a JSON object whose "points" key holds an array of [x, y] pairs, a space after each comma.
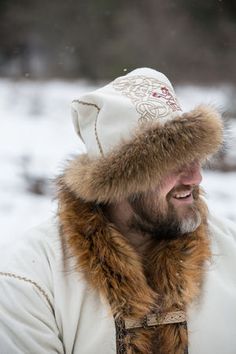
{"points": [[104, 256], [170, 279], [154, 150]]}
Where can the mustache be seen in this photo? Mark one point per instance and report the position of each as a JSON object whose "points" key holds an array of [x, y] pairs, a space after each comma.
{"points": [[195, 190], [135, 200]]}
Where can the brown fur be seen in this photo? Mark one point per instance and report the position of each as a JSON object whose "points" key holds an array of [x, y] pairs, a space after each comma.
{"points": [[154, 150], [169, 279], [177, 277], [104, 256]]}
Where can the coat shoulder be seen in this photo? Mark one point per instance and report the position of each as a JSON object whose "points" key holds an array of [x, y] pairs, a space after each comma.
{"points": [[223, 240], [34, 255], [223, 227]]}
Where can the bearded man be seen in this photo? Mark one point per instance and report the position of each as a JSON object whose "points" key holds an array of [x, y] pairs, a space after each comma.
{"points": [[133, 262]]}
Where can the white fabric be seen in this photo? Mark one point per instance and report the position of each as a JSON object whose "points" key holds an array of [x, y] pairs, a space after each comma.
{"points": [[107, 116], [45, 309], [77, 320], [212, 322]]}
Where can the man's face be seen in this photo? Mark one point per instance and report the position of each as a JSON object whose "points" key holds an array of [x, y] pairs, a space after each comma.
{"points": [[171, 209]]}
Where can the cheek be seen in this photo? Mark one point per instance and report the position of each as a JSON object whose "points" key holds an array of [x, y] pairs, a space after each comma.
{"points": [[157, 204], [167, 185]]}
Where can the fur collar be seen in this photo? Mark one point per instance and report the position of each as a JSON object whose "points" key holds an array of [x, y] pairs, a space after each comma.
{"points": [[170, 280]]}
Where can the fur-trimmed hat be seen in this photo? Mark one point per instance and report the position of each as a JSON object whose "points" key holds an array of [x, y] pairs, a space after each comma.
{"points": [[135, 132]]}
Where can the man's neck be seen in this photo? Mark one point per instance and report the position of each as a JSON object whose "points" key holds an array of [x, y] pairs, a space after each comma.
{"points": [[120, 214]]}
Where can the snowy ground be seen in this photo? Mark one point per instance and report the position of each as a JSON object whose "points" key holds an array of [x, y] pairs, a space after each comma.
{"points": [[37, 135]]}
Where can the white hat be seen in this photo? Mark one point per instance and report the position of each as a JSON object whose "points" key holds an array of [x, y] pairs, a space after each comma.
{"points": [[135, 132], [106, 116]]}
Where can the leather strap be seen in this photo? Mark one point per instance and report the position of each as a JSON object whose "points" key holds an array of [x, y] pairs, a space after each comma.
{"points": [[156, 319], [126, 326]]}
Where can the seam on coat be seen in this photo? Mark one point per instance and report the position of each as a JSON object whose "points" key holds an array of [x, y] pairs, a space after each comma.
{"points": [[29, 281], [95, 124]]}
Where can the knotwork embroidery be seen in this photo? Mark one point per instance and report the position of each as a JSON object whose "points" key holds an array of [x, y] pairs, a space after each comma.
{"points": [[152, 98]]}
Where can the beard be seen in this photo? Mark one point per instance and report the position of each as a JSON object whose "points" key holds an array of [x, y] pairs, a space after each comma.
{"points": [[161, 220]]}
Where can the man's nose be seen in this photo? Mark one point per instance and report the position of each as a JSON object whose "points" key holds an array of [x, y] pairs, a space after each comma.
{"points": [[191, 174]]}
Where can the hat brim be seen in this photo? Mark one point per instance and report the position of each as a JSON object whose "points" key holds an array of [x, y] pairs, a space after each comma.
{"points": [[142, 162]]}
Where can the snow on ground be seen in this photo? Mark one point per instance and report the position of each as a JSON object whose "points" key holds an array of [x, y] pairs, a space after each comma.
{"points": [[37, 136]]}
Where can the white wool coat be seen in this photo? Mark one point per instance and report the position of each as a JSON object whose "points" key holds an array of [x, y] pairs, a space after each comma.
{"points": [[47, 308]]}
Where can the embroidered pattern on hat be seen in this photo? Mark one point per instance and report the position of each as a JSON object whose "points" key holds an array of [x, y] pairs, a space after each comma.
{"points": [[152, 98]]}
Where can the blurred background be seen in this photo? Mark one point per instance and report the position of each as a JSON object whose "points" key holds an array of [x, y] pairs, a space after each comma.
{"points": [[52, 51]]}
